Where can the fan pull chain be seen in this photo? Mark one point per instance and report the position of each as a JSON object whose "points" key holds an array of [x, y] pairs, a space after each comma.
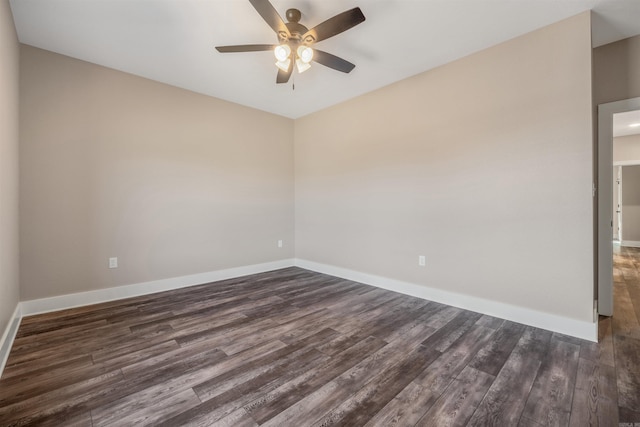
{"points": [[293, 82]]}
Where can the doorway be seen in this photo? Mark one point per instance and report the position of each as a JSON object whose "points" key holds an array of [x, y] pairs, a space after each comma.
{"points": [[628, 203], [605, 211]]}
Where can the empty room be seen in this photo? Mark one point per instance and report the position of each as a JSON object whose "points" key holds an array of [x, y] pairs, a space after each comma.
{"points": [[313, 213]]}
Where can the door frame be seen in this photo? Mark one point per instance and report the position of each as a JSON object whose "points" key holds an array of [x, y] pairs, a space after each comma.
{"points": [[604, 235], [617, 193]]}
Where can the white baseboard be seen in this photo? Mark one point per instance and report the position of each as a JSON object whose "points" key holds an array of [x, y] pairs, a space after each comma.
{"points": [[630, 243], [575, 328], [8, 336], [567, 326], [44, 305]]}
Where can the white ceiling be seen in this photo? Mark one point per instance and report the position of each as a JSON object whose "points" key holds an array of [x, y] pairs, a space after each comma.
{"points": [[622, 123], [172, 41]]}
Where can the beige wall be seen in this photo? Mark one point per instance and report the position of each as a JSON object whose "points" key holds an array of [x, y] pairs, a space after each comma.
{"points": [[616, 71], [9, 54], [169, 181], [483, 165], [631, 203], [626, 148]]}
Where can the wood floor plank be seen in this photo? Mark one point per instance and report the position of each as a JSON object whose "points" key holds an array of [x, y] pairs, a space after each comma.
{"points": [[549, 401], [301, 358], [206, 326], [81, 343], [149, 414], [222, 332], [149, 380], [46, 338], [490, 322], [357, 321], [449, 333], [286, 332], [81, 420], [56, 403], [363, 405], [406, 408], [528, 422], [505, 400], [274, 402], [633, 290], [379, 323], [225, 401], [459, 401], [172, 318], [373, 297], [155, 383], [628, 372], [38, 324], [417, 318], [592, 400], [348, 383], [628, 416], [397, 321], [262, 375], [193, 355], [27, 373], [602, 351], [625, 321], [492, 357], [145, 353], [443, 316], [30, 389], [447, 367], [238, 418]]}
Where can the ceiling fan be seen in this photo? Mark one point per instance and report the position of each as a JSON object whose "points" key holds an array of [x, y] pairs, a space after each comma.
{"points": [[295, 41]]}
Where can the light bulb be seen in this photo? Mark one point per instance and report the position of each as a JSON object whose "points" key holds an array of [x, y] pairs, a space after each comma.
{"points": [[305, 53], [282, 52]]}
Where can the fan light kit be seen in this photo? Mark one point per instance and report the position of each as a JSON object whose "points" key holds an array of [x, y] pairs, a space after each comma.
{"points": [[295, 40]]}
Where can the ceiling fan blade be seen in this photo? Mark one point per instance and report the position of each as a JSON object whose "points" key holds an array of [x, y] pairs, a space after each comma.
{"points": [[271, 16], [283, 76], [245, 48], [336, 25], [332, 61]]}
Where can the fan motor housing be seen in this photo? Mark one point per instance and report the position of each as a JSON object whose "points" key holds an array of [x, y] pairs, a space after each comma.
{"points": [[296, 29]]}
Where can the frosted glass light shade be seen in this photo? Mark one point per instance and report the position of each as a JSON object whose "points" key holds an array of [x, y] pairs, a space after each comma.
{"points": [[284, 65], [305, 53], [302, 66], [282, 52]]}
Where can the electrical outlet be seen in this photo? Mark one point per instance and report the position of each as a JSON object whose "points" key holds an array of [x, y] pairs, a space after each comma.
{"points": [[113, 262], [422, 260], [279, 243]]}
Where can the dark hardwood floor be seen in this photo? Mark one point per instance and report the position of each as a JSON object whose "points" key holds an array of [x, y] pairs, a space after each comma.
{"points": [[297, 348]]}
